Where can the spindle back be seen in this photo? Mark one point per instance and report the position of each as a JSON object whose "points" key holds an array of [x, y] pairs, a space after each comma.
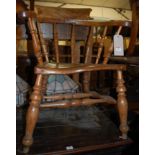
{"points": [[80, 36]]}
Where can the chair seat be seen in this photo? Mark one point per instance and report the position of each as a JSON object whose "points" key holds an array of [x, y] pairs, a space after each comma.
{"points": [[63, 68]]}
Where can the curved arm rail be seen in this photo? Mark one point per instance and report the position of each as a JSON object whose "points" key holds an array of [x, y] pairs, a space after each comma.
{"points": [[62, 69]]}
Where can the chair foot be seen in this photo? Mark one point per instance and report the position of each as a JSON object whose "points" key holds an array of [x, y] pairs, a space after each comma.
{"points": [[124, 130], [123, 136], [27, 142], [26, 149]]}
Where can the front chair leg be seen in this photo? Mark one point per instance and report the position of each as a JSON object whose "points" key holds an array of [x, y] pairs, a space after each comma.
{"points": [[122, 104], [32, 114]]}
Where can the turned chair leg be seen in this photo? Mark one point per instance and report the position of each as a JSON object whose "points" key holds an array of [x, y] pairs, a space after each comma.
{"points": [[32, 114], [122, 104]]}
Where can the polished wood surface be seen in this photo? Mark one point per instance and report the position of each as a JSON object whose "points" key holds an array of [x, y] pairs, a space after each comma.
{"points": [[86, 66], [52, 136], [75, 68], [122, 104], [56, 13], [32, 113], [128, 60], [84, 22], [20, 6]]}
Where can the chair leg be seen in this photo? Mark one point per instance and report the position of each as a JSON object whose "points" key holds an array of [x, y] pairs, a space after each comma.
{"points": [[122, 104], [32, 114]]}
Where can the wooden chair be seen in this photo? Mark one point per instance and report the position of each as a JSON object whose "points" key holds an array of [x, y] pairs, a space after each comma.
{"points": [[77, 66]]}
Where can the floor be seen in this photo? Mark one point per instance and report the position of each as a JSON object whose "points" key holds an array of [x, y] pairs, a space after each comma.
{"points": [[92, 133]]}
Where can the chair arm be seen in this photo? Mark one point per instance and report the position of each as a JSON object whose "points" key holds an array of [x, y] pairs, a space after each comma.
{"points": [[62, 69]]}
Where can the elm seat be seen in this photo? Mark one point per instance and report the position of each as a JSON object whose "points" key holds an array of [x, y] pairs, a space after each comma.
{"points": [[79, 64], [62, 68]]}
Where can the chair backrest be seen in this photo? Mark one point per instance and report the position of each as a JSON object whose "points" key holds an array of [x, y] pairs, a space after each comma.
{"points": [[46, 32], [81, 38]]}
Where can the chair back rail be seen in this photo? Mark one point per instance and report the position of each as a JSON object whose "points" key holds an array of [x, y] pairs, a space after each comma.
{"points": [[43, 43], [101, 45], [36, 41]]}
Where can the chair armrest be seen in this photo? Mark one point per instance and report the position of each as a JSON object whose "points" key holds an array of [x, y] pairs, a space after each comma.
{"points": [[79, 68]]}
